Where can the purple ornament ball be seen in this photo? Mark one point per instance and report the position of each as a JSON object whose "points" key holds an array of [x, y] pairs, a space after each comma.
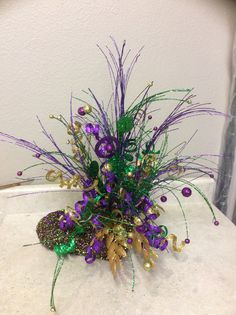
{"points": [[187, 241], [129, 241], [149, 116], [155, 128], [186, 192], [37, 155], [211, 175], [109, 147], [216, 222], [19, 173], [81, 111], [163, 198]]}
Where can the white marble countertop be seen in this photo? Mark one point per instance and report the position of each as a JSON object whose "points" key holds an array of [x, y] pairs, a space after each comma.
{"points": [[199, 281]]}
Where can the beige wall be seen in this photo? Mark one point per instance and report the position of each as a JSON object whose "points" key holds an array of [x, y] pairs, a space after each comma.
{"points": [[48, 49]]}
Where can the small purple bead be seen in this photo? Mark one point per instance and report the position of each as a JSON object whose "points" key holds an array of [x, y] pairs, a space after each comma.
{"points": [[186, 192], [88, 127], [149, 116], [163, 198], [129, 241], [81, 111], [212, 175], [155, 128], [109, 147], [37, 155], [216, 222], [187, 241], [19, 173]]}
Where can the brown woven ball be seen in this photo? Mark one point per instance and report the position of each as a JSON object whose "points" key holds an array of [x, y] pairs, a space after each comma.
{"points": [[50, 234]]}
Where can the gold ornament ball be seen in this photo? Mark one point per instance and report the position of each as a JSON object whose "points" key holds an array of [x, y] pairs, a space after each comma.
{"points": [[130, 174], [147, 266], [150, 211], [130, 235], [137, 221], [107, 167], [139, 163], [126, 245], [53, 309], [87, 108]]}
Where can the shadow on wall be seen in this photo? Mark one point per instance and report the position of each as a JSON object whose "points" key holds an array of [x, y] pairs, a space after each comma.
{"points": [[224, 199]]}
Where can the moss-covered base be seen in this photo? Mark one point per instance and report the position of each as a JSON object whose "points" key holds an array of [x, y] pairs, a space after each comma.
{"points": [[50, 234]]}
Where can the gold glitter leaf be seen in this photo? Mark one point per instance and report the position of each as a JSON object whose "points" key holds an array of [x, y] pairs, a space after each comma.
{"points": [[109, 240], [115, 251], [137, 245], [141, 245], [120, 251]]}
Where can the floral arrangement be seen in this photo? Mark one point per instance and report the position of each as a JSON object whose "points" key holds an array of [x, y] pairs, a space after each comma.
{"points": [[124, 170]]}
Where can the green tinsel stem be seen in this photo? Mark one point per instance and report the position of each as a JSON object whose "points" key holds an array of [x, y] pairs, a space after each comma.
{"points": [[133, 270], [58, 268]]}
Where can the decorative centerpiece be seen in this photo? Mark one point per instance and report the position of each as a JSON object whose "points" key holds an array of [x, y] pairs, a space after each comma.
{"points": [[123, 169]]}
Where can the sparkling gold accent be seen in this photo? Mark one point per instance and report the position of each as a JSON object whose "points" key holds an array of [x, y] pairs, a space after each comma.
{"points": [[122, 192], [137, 221], [87, 108], [139, 163], [151, 211], [157, 209], [147, 266], [107, 167], [130, 235], [76, 128]]}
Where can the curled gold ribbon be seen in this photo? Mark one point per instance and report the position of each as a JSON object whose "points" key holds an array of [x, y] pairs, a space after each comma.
{"points": [[74, 181], [52, 175], [149, 162], [175, 169], [173, 238]]}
